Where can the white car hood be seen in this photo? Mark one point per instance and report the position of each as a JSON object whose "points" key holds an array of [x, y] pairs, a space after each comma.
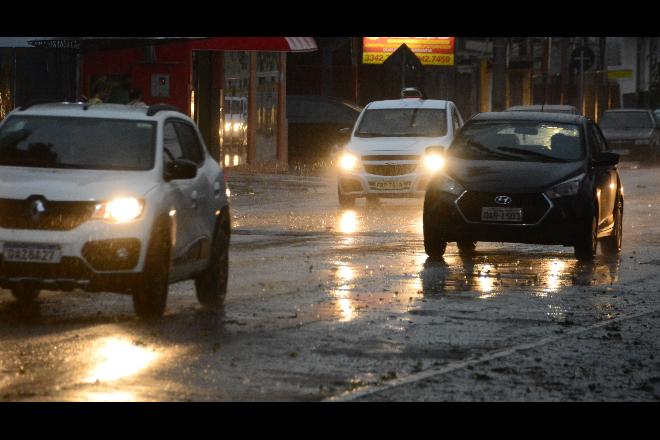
{"points": [[395, 145], [73, 185]]}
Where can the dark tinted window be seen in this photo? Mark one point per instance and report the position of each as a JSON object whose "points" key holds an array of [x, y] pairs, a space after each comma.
{"points": [[86, 143], [626, 120], [403, 122], [518, 140], [171, 144], [192, 148]]}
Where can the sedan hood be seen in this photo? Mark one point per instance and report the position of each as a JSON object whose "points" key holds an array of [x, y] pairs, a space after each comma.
{"points": [[510, 176], [395, 145], [633, 133], [73, 185]]}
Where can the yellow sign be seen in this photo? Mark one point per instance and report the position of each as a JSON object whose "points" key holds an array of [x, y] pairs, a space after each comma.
{"points": [[431, 51], [619, 74]]}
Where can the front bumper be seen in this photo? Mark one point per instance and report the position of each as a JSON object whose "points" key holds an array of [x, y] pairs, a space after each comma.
{"points": [[560, 224], [362, 184], [95, 256]]}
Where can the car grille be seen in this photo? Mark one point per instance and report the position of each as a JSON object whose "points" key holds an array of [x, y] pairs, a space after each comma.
{"points": [[534, 206], [390, 170], [57, 216], [390, 157]]}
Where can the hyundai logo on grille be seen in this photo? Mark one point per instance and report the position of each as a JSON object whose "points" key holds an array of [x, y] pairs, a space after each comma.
{"points": [[503, 200]]}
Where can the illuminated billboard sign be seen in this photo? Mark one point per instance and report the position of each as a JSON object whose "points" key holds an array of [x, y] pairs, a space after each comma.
{"points": [[431, 51]]}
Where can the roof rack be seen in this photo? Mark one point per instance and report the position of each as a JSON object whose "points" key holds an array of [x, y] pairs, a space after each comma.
{"points": [[153, 109], [412, 92]]}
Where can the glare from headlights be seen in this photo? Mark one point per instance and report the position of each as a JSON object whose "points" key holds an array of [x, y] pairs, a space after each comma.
{"points": [[434, 162], [348, 161], [120, 210]]}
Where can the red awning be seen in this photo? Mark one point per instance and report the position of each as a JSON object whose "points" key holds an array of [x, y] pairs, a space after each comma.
{"points": [[267, 44]]}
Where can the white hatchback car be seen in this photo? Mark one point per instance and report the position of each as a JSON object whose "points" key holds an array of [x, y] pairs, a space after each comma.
{"points": [[110, 197], [395, 146]]}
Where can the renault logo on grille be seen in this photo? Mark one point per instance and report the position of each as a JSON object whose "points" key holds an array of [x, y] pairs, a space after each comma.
{"points": [[503, 200], [37, 208]]}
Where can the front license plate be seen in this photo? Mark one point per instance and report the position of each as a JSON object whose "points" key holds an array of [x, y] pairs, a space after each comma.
{"points": [[390, 184], [32, 253], [501, 214]]}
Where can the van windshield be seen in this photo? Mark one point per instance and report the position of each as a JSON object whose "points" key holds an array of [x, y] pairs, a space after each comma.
{"points": [[83, 143]]}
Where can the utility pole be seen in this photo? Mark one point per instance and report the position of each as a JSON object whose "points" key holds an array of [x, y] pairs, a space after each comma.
{"points": [[499, 74], [563, 78]]}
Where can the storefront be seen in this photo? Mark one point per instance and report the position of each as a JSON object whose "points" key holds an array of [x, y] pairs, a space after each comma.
{"points": [[233, 87]]}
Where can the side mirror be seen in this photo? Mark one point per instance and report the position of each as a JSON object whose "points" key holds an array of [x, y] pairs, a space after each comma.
{"points": [[605, 159], [180, 169], [345, 131]]}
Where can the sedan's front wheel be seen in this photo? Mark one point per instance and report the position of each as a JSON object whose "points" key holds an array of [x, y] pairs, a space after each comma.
{"points": [[211, 285], [612, 244], [587, 243]]}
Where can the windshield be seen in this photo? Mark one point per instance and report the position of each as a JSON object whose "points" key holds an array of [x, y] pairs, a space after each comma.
{"points": [[625, 120], [85, 143], [518, 140], [403, 122]]}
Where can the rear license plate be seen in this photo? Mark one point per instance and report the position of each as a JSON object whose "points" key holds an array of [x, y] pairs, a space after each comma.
{"points": [[501, 214], [390, 184], [32, 253]]}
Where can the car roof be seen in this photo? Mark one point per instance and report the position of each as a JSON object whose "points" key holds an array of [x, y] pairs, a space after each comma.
{"points": [[548, 107], [324, 98], [107, 111], [408, 103], [529, 116], [627, 110]]}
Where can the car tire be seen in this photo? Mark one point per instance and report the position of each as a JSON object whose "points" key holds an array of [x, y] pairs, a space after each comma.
{"points": [[466, 247], [587, 243], [150, 296], [211, 285], [435, 244], [25, 294], [345, 201], [612, 245]]}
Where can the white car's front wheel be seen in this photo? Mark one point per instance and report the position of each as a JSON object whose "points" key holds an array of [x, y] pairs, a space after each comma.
{"points": [[345, 201], [211, 285], [150, 295]]}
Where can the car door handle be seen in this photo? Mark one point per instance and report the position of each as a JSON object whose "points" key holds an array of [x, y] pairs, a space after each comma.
{"points": [[194, 197], [216, 189]]}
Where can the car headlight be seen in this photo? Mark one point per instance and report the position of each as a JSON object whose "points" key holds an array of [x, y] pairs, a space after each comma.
{"points": [[567, 188], [446, 184], [120, 210], [433, 162], [641, 141], [348, 161]]}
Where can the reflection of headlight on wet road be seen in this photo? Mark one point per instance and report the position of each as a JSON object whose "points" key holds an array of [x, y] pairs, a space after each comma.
{"points": [[348, 161], [348, 222], [119, 358], [433, 162]]}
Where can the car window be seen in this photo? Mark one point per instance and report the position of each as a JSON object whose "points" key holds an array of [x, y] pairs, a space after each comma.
{"points": [[518, 140], [595, 145], [191, 147], [171, 143], [626, 120], [454, 117], [403, 122], [84, 143]]}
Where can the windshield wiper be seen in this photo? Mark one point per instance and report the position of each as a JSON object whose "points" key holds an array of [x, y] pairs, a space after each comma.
{"points": [[531, 153]]}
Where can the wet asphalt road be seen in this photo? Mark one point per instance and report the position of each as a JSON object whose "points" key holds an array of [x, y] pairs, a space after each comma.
{"points": [[331, 304]]}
